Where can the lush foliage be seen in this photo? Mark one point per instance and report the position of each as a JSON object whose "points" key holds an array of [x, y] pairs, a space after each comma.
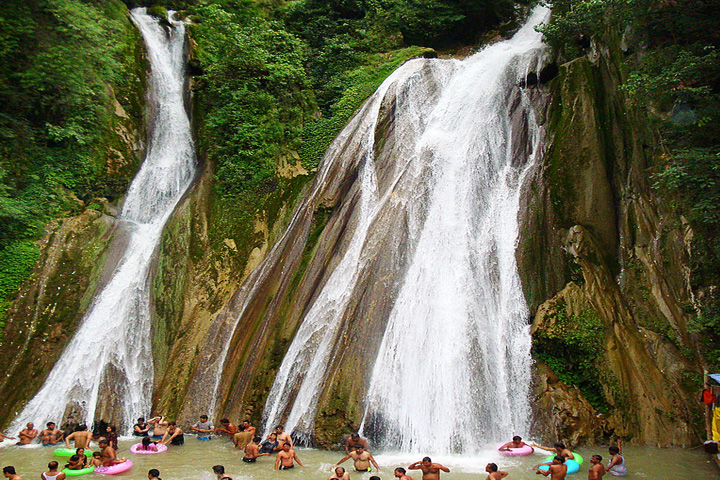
{"points": [[16, 262]]}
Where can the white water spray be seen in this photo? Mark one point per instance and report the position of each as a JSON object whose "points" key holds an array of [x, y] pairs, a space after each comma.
{"points": [[112, 348], [453, 368]]}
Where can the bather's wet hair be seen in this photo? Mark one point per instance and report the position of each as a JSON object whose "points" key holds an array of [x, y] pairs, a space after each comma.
{"points": [[224, 420], [559, 445], [493, 467], [73, 458], [614, 450], [10, 470], [401, 470], [559, 458], [52, 465], [426, 459], [155, 473], [517, 438], [141, 419], [257, 439], [97, 455], [219, 469], [598, 457]]}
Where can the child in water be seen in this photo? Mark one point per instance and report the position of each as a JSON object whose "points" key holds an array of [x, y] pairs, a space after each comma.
{"points": [[148, 444]]}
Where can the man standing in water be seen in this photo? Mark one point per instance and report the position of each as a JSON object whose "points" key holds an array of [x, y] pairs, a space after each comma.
{"points": [[51, 436], [242, 438], [557, 470], [252, 451], [82, 438], [282, 436], [204, 428], [430, 470], [226, 428], [52, 473], [355, 439], [401, 474], [286, 457], [597, 470], [108, 457], [361, 459], [28, 434], [494, 473]]}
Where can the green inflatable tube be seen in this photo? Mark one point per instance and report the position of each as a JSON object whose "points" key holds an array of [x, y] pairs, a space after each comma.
{"points": [[75, 473], [69, 452], [578, 458]]}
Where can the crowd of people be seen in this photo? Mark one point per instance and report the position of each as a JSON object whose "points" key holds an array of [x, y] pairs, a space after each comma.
{"points": [[158, 431]]}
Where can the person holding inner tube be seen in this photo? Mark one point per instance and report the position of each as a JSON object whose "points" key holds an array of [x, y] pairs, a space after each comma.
{"points": [[559, 449], [516, 443], [557, 470], [361, 459]]}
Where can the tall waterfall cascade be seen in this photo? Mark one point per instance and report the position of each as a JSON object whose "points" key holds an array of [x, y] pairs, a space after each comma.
{"points": [[109, 358], [452, 372]]}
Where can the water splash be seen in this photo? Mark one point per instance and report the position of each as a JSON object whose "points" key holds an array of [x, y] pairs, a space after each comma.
{"points": [[109, 359], [455, 356]]}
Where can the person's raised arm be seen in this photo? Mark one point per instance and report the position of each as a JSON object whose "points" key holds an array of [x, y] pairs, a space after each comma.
{"points": [[442, 467], [549, 449], [503, 474], [414, 466]]}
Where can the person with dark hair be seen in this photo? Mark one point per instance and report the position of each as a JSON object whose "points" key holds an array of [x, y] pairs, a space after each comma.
{"points": [[96, 460], [375, 477], [154, 474], [80, 452], [10, 473], [111, 436], [148, 445], [249, 428], [361, 460], [401, 474], [339, 474], [286, 458], [141, 429], [174, 435], [204, 427], [252, 451], [616, 465], [52, 473], [270, 445], [242, 438], [75, 462], [494, 473], [559, 449], [219, 471], [226, 428], [282, 436], [597, 470], [108, 455], [557, 470], [355, 439], [50, 436], [516, 443], [430, 470], [159, 426], [82, 437]]}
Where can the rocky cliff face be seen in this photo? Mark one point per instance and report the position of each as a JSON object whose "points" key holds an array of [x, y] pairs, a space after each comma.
{"points": [[599, 254]]}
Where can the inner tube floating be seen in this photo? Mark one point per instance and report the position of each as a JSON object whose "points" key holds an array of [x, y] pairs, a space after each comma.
{"points": [[578, 458], [572, 466], [117, 468], [516, 452], [75, 473], [159, 448], [69, 452]]}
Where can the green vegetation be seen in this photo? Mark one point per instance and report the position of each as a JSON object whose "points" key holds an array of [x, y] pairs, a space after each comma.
{"points": [[572, 346], [672, 73]]}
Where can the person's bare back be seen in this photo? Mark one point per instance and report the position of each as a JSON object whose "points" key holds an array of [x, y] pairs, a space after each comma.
{"points": [[430, 470], [82, 438]]}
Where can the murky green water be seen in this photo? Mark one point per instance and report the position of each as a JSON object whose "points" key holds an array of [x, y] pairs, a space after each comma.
{"points": [[195, 459]]}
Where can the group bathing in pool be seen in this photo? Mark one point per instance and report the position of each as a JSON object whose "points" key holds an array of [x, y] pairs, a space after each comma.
{"points": [[157, 433]]}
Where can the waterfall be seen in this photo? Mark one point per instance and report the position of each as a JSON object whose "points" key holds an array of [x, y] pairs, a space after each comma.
{"points": [[452, 371], [108, 364]]}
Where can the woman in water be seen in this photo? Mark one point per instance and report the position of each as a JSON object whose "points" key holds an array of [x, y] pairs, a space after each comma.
{"points": [[111, 435], [148, 444]]}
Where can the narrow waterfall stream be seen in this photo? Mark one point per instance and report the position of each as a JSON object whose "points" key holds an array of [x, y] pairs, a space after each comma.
{"points": [[455, 355], [108, 366]]}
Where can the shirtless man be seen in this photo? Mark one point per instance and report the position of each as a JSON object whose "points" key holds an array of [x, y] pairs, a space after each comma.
{"points": [[516, 443], [10, 473], [285, 458], [226, 428], [82, 438], [283, 436], [355, 439], [361, 460], [339, 474], [401, 474], [51, 436], [3, 437], [52, 473], [431, 471], [557, 470], [159, 426], [597, 470], [242, 438], [494, 473], [27, 434], [108, 457], [559, 449], [249, 428], [252, 451]]}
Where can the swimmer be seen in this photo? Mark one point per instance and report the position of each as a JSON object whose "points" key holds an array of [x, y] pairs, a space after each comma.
{"points": [[226, 428], [51, 435], [559, 449], [355, 439], [27, 434], [75, 462], [154, 474], [430, 470], [286, 457], [3, 437], [516, 443], [141, 429], [174, 435], [159, 426], [242, 438], [52, 473], [339, 474], [219, 471], [108, 456], [148, 445], [96, 460], [616, 465], [493, 472], [204, 428], [557, 470], [597, 471], [81, 437], [282, 435], [361, 460], [401, 474], [271, 444], [249, 428], [252, 451], [10, 473]]}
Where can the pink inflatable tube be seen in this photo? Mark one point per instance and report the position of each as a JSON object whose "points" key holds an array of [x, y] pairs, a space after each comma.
{"points": [[137, 448], [120, 467], [516, 452]]}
